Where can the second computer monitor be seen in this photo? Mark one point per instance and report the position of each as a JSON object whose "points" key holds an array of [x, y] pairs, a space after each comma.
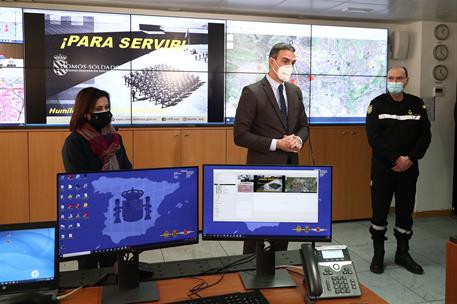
{"points": [[267, 202], [117, 211]]}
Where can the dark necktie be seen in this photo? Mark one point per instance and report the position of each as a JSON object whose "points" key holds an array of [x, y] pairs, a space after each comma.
{"points": [[282, 102]]}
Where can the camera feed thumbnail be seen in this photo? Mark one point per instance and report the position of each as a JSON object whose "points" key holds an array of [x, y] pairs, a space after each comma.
{"points": [[276, 183]]}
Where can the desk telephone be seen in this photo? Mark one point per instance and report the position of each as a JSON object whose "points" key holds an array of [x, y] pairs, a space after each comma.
{"points": [[329, 272]]}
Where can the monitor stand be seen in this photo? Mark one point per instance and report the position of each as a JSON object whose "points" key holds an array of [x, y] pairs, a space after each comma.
{"points": [[129, 289], [265, 275]]}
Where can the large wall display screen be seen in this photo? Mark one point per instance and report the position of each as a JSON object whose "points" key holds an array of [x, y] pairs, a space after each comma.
{"points": [[248, 47], [155, 68], [339, 69], [348, 69], [82, 50], [10, 25], [172, 70], [11, 67], [170, 84]]}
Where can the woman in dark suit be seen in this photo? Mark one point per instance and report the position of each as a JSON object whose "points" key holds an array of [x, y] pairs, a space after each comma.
{"points": [[93, 145]]}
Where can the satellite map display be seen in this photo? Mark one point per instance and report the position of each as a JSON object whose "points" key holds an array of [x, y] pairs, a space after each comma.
{"points": [[11, 67], [339, 69], [11, 91], [248, 47]]}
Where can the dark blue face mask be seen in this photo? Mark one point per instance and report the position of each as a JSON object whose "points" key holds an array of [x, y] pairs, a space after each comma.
{"points": [[99, 120]]}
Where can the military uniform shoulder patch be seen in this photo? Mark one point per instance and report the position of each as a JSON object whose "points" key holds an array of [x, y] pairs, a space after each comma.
{"points": [[370, 109]]}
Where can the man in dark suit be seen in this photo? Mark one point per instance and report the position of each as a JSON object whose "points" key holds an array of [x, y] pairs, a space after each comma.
{"points": [[270, 119]]}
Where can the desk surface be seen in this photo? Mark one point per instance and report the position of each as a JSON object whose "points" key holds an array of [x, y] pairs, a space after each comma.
{"points": [[176, 290], [451, 272]]}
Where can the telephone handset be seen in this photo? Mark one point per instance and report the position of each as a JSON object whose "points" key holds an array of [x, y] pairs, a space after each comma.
{"points": [[329, 272], [311, 271]]}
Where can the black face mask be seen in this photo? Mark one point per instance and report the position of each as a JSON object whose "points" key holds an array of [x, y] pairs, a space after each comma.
{"points": [[99, 120]]}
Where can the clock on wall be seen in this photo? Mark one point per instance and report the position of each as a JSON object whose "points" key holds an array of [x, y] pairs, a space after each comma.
{"points": [[440, 72], [441, 31], [440, 52]]}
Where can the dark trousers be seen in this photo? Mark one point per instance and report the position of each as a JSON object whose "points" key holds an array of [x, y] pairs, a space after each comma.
{"points": [[384, 186]]}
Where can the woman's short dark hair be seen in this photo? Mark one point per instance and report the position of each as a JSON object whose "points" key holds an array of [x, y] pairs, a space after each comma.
{"points": [[84, 103], [280, 47]]}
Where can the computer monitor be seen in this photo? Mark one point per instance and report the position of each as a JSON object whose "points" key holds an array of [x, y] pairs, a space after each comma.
{"points": [[28, 259], [127, 212], [267, 203]]}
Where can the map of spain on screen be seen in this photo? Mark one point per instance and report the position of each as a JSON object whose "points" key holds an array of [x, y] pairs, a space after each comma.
{"points": [[117, 210], [116, 188]]}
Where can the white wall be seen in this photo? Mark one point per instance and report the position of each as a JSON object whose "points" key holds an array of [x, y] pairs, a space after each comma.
{"points": [[435, 181]]}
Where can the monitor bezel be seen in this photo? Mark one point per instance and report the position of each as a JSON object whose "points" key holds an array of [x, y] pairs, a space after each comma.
{"points": [[264, 237], [136, 248], [34, 285]]}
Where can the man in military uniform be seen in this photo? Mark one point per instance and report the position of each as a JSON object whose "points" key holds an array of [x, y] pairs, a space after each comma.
{"points": [[399, 134]]}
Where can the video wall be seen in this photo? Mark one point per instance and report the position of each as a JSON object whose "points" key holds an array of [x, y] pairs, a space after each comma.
{"points": [[11, 67], [173, 70]]}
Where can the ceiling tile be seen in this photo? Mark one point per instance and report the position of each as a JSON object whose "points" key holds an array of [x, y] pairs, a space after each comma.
{"points": [[309, 4], [386, 10]]}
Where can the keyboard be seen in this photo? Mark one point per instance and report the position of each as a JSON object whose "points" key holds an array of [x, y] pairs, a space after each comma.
{"points": [[250, 297]]}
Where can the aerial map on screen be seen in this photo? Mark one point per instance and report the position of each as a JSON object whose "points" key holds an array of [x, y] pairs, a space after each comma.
{"points": [[11, 91], [339, 69], [248, 46], [344, 81], [11, 25], [11, 67]]}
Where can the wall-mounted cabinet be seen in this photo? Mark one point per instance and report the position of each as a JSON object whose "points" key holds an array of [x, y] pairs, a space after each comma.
{"points": [[346, 149], [32, 158], [156, 148], [178, 147], [235, 155], [45, 161], [14, 165]]}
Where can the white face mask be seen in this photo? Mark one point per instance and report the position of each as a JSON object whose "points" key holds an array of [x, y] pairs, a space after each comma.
{"points": [[284, 72]]}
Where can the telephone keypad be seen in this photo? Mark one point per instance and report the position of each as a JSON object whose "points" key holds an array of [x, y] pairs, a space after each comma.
{"points": [[341, 285]]}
